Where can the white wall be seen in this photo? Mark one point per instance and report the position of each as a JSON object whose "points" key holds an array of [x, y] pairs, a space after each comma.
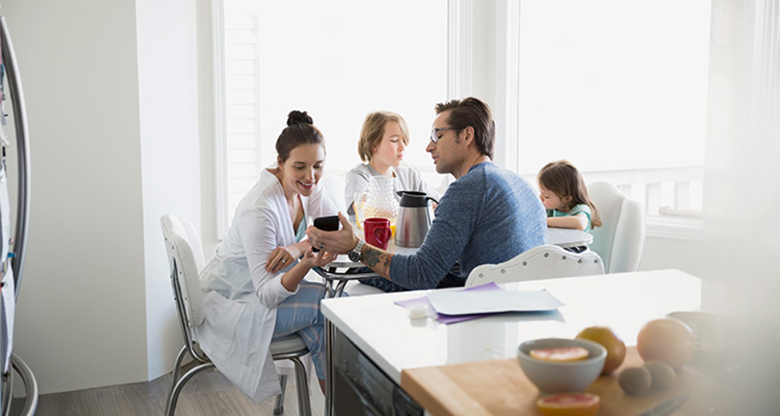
{"points": [[168, 95], [112, 108]]}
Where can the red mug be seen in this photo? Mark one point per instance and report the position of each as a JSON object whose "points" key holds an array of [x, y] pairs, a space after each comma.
{"points": [[377, 232]]}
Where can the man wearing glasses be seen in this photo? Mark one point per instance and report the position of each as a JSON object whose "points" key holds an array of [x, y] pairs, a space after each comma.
{"points": [[488, 215]]}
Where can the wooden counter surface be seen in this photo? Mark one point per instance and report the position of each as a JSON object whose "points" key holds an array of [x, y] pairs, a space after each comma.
{"points": [[499, 387]]}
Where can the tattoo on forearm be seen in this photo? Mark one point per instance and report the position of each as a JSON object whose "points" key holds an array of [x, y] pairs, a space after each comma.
{"points": [[377, 260], [371, 258]]}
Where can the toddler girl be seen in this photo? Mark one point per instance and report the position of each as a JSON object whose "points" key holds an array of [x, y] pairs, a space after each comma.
{"points": [[565, 197]]}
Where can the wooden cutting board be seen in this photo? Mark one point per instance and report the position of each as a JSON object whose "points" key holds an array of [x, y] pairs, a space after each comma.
{"points": [[499, 387]]}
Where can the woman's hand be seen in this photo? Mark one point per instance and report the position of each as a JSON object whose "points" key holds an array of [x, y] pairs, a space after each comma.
{"points": [[318, 259], [282, 257], [292, 278]]}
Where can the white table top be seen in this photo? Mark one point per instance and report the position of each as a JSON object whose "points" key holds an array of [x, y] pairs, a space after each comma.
{"points": [[622, 301], [568, 237]]}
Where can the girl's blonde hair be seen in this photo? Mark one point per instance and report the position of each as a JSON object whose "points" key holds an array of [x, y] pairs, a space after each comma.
{"points": [[562, 178], [373, 130]]}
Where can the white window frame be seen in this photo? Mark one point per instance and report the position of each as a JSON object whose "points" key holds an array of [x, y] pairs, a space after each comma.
{"points": [[220, 133]]}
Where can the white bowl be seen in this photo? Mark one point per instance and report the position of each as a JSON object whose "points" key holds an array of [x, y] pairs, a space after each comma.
{"points": [[558, 377]]}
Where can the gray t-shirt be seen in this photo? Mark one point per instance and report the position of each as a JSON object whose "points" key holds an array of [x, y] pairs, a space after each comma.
{"points": [[489, 215], [406, 179]]}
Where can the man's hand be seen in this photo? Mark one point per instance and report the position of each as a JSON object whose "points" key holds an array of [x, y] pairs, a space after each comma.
{"points": [[339, 242]]}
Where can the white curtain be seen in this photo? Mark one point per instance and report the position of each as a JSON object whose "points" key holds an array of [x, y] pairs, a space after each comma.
{"points": [[743, 148], [743, 139]]}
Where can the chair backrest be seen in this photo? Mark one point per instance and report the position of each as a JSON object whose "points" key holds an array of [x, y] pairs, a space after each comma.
{"points": [[185, 256], [195, 244], [621, 238], [541, 262]]}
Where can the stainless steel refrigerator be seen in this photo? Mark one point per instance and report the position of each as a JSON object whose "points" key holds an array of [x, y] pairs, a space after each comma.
{"points": [[12, 248]]}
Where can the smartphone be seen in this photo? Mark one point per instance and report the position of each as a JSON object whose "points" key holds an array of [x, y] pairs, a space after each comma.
{"points": [[326, 224]]}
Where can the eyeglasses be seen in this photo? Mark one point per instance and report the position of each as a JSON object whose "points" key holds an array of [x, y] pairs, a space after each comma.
{"points": [[434, 133]]}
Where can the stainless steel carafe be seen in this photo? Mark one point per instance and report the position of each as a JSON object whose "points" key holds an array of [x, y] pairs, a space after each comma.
{"points": [[415, 216]]}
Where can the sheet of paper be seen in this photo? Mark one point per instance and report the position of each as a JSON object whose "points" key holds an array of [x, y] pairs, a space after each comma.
{"points": [[478, 302], [451, 319]]}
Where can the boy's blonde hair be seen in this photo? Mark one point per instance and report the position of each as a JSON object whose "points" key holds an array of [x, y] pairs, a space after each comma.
{"points": [[562, 178], [374, 128]]}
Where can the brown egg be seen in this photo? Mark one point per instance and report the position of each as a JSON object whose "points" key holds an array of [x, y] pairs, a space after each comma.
{"points": [[635, 380], [662, 374]]}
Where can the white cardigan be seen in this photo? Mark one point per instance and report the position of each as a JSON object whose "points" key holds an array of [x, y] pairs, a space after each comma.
{"points": [[240, 296]]}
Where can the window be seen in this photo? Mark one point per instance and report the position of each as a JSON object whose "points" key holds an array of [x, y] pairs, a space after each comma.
{"points": [[338, 61], [620, 89]]}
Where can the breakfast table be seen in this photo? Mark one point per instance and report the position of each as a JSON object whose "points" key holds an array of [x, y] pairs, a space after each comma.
{"points": [[470, 367], [342, 270]]}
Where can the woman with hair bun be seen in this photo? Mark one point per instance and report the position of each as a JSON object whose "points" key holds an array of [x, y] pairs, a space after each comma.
{"points": [[254, 286]]}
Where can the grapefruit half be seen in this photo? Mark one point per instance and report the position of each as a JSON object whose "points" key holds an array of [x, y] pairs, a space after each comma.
{"points": [[568, 404], [561, 354]]}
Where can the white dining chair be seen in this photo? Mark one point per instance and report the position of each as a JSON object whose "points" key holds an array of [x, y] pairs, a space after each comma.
{"points": [[185, 256], [334, 185], [620, 240], [541, 262]]}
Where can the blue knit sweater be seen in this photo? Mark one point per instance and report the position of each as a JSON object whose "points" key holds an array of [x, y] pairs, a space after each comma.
{"points": [[489, 215]]}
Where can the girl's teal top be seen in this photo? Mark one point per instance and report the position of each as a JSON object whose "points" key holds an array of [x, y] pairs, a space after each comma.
{"points": [[576, 210]]}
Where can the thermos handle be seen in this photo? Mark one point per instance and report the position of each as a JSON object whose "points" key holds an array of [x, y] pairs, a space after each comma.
{"points": [[401, 194]]}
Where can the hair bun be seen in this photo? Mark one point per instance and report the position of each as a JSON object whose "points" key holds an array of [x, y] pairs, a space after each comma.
{"points": [[298, 117]]}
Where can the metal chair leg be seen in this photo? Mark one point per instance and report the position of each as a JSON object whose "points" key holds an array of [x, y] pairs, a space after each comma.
{"points": [[301, 379], [177, 368], [279, 405], [170, 407]]}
